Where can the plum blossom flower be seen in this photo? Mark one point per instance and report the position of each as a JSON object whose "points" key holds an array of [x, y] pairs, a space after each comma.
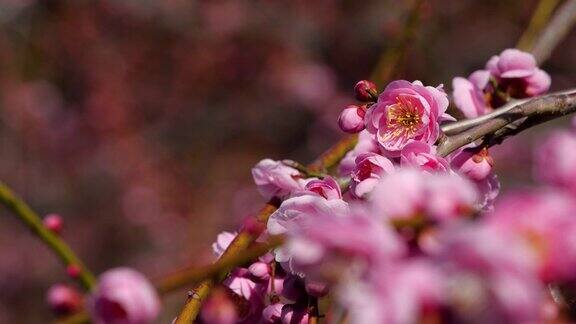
{"points": [[555, 160], [469, 94], [369, 168], [366, 143], [407, 112], [274, 178], [410, 194], [294, 314], [517, 72], [123, 295], [423, 156], [327, 188], [475, 164], [544, 219], [223, 240], [351, 119]]}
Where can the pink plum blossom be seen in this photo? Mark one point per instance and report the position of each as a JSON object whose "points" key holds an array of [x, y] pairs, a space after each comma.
{"points": [[241, 283], [407, 112], [294, 314], [517, 72], [369, 168], [449, 196], [366, 143], [272, 313], [475, 164], [365, 91], [351, 119], [327, 188], [423, 156], [545, 220], [274, 178], [123, 295], [469, 94], [223, 240], [556, 160]]}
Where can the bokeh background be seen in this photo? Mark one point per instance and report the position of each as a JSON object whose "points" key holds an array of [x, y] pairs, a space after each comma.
{"points": [[139, 120]]}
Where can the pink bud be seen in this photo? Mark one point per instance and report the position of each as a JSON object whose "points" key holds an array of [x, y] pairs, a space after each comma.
{"points": [[54, 223], [219, 309], [73, 271], [260, 270], [475, 165], [63, 299], [365, 91], [124, 295], [351, 119]]}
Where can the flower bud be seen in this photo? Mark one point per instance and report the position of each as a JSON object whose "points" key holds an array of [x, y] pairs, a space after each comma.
{"points": [[73, 271], [365, 91], [124, 295], [260, 270], [219, 309], [475, 165], [63, 299], [351, 119], [53, 222]]}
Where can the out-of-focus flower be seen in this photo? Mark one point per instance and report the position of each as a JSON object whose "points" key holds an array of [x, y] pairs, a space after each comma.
{"points": [[274, 178], [294, 314], [488, 189], [316, 288], [260, 270], [123, 295], [556, 160], [54, 223], [545, 220], [327, 188], [64, 299], [469, 94], [351, 119], [475, 164], [405, 112], [423, 156], [223, 240], [272, 313], [365, 91], [368, 170], [409, 194], [517, 73], [366, 143], [219, 309]]}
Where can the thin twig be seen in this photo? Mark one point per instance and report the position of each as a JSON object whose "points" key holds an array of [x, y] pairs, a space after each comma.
{"points": [[21, 210], [556, 31], [525, 115]]}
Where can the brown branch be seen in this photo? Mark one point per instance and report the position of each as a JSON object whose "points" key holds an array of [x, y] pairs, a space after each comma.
{"points": [[193, 275], [556, 31], [248, 235], [512, 121]]}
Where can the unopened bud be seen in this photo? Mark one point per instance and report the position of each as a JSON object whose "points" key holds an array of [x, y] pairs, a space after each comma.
{"points": [[54, 223], [63, 299], [365, 91], [351, 119], [73, 271]]}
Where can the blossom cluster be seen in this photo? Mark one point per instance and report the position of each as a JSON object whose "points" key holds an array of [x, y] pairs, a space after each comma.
{"points": [[400, 234]]}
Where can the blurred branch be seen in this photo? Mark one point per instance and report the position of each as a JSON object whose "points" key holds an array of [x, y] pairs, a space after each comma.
{"points": [[19, 208], [390, 59], [554, 33], [513, 120], [218, 269], [248, 235], [539, 20]]}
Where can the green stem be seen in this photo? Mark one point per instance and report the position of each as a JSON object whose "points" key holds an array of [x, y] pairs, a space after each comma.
{"points": [[19, 208]]}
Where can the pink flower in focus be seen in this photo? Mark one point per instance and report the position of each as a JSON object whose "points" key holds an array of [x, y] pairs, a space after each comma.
{"points": [[517, 72], [556, 160], [223, 240], [327, 188], [351, 119], [123, 295], [64, 299], [365, 91], [369, 168], [423, 156], [407, 112], [469, 94], [366, 143], [274, 178], [476, 165]]}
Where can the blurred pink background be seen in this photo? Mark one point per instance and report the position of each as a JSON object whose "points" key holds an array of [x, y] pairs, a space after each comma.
{"points": [[139, 121]]}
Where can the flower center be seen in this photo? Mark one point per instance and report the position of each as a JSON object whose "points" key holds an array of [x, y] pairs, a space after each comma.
{"points": [[403, 117]]}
